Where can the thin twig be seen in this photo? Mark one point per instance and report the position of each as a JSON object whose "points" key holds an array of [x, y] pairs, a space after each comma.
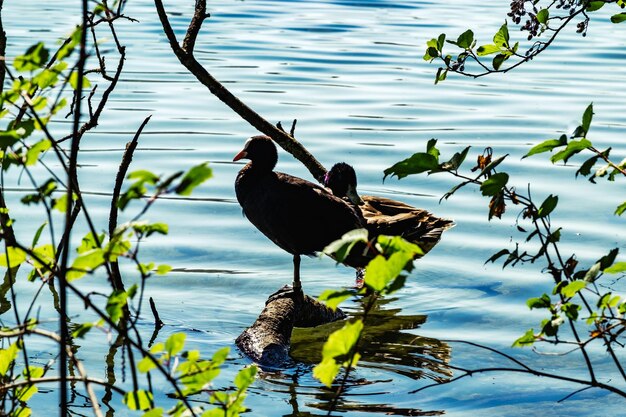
{"points": [[116, 277]]}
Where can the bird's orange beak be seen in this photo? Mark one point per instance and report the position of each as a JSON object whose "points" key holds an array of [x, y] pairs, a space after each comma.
{"points": [[240, 155]]}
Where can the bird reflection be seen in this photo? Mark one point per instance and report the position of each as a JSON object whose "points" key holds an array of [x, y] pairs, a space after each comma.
{"points": [[385, 346]]}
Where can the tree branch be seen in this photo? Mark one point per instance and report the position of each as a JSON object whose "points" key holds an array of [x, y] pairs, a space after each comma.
{"points": [[185, 56]]}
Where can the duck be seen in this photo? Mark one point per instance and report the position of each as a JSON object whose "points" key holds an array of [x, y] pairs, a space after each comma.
{"points": [[384, 216], [300, 217]]}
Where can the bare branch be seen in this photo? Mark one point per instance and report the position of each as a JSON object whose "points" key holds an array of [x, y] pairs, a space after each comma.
{"points": [[116, 276], [287, 142], [194, 26]]}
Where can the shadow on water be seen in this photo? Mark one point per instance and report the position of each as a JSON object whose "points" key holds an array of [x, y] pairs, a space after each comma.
{"points": [[386, 348]]}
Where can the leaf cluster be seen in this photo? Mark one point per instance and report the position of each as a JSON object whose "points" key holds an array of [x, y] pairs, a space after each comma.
{"points": [[385, 273], [542, 20]]}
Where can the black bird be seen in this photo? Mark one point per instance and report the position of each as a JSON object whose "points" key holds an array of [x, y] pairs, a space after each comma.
{"points": [[384, 216], [300, 217]]}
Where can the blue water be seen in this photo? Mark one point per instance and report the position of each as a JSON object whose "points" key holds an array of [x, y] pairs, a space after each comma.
{"points": [[352, 73]]}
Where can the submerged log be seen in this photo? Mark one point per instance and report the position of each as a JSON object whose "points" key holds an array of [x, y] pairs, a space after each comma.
{"points": [[267, 341]]}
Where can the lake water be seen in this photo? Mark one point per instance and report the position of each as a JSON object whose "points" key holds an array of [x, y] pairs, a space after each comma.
{"points": [[352, 73]]}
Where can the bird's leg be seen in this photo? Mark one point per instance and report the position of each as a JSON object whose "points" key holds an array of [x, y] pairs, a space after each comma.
{"points": [[294, 291], [297, 285]]}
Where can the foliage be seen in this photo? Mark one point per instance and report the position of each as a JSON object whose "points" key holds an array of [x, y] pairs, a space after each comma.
{"points": [[543, 21], [385, 274], [579, 301], [42, 82]]}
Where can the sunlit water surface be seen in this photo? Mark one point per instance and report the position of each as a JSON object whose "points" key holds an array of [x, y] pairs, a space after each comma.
{"points": [[352, 74]]}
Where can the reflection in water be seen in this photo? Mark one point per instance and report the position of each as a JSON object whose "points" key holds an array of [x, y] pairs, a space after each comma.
{"points": [[385, 346]]}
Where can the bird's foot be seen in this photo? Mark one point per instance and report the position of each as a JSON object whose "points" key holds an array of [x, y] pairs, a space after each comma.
{"points": [[287, 291]]}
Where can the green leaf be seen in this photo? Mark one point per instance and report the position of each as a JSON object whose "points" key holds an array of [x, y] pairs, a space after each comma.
{"points": [[35, 57], [543, 16], [465, 39], [585, 168], [341, 342], [618, 18], [32, 156], [542, 302], [73, 80], [38, 234], [21, 412], [326, 371], [587, 116], [24, 393], [132, 291], [380, 272], [526, 340], [194, 177], [115, 305], [175, 343], [9, 138], [457, 159], [58, 106], [245, 377], [146, 364], [573, 147], [616, 268], [441, 75], [487, 49], [547, 206], [39, 103], [336, 351], [546, 146], [340, 249], [608, 259], [494, 184], [12, 257], [219, 357], [571, 310], [138, 400], [332, 298], [155, 412], [7, 356], [46, 78], [145, 269], [157, 348], [498, 255], [431, 53], [116, 248], [416, 164], [501, 38], [89, 242], [551, 327], [60, 204], [45, 254], [594, 5], [440, 41], [85, 263], [620, 209], [389, 245], [70, 44], [573, 288], [498, 60], [148, 229], [163, 269], [144, 176], [431, 148], [592, 273], [80, 331]]}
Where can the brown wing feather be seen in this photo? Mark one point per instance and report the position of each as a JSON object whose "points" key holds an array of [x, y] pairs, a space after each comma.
{"points": [[390, 217]]}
